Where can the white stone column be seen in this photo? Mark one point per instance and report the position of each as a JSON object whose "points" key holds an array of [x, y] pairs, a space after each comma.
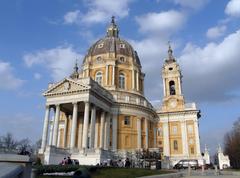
{"points": [[179, 85], [114, 131], [74, 126], [45, 128], [88, 71], [51, 131], [184, 138], [102, 126], [133, 79], [107, 131], [58, 141], [139, 133], [80, 132], [85, 126], [146, 130], [92, 126], [197, 142], [106, 75], [56, 125], [154, 137], [113, 75], [166, 149], [137, 78], [96, 133], [65, 133], [164, 88]]}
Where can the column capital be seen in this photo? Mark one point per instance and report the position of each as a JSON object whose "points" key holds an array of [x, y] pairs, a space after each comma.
{"points": [[164, 122], [182, 121], [86, 102], [75, 102], [195, 121], [47, 106]]}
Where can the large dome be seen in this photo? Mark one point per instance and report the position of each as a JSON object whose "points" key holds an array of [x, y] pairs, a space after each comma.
{"points": [[113, 44]]}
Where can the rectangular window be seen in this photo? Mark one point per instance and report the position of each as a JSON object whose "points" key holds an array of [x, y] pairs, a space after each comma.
{"points": [[126, 141], [174, 129], [159, 131], [192, 150], [127, 120], [175, 145], [190, 129]]}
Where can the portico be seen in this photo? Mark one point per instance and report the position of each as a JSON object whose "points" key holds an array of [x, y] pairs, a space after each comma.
{"points": [[86, 113]]}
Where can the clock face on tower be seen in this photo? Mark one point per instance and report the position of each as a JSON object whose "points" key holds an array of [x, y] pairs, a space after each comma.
{"points": [[173, 103]]}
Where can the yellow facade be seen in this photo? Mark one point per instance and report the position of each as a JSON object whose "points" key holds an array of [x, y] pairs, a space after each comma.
{"points": [[115, 67]]}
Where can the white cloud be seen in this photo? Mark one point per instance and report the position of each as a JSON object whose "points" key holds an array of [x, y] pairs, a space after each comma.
{"points": [[165, 22], [211, 72], [233, 8], [72, 17], [59, 61], [37, 76], [196, 4], [216, 32], [8, 80], [98, 11]]}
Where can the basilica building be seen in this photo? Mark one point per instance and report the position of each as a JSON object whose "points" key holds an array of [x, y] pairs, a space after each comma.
{"points": [[100, 110]]}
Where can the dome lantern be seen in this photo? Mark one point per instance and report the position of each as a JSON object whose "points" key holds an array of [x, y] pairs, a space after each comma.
{"points": [[113, 30]]}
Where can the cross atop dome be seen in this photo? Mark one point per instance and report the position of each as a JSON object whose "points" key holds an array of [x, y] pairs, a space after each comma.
{"points": [[113, 20], [112, 30], [75, 73]]}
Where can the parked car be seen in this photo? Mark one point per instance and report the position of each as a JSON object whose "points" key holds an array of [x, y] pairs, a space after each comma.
{"points": [[183, 164]]}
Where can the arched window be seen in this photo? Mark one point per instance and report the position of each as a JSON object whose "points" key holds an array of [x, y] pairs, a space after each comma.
{"points": [[172, 88], [98, 78], [121, 81]]}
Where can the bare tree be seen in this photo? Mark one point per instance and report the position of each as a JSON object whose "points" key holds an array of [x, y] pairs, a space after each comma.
{"points": [[8, 142], [24, 147], [232, 144]]}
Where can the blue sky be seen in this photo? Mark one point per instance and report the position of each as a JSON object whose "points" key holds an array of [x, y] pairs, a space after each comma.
{"points": [[40, 40]]}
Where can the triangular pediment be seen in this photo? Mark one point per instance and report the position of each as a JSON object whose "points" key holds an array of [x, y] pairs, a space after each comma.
{"points": [[66, 86]]}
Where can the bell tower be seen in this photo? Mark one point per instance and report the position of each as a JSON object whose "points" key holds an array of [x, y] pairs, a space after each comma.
{"points": [[173, 99]]}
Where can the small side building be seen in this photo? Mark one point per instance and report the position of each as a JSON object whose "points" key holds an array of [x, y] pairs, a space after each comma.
{"points": [[223, 160]]}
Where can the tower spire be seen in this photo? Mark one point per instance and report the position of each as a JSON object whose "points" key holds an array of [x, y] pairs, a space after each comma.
{"points": [[170, 53], [112, 30]]}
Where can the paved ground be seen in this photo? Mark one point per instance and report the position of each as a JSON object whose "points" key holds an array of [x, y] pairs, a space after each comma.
{"points": [[209, 174], [220, 176]]}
